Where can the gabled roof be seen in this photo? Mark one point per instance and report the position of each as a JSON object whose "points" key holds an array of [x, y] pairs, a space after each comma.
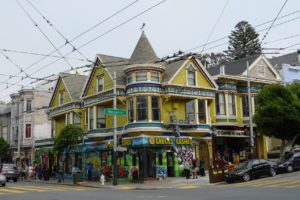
{"points": [[233, 68], [291, 58], [143, 52], [171, 69], [73, 84]]}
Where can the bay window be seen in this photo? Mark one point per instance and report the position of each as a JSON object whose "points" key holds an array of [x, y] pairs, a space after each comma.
{"points": [[201, 111], [155, 76], [220, 104], [91, 117], [100, 117], [142, 108], [190, 111], [231, 104], [245, 105], [130, 110], [141, 76], [155, 108]]}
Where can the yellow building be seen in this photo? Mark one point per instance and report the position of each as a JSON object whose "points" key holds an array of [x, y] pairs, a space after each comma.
{"points": [[231, 112]]}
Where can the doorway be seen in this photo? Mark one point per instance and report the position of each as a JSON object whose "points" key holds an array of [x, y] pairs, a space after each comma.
{"points": [[170, 164]]}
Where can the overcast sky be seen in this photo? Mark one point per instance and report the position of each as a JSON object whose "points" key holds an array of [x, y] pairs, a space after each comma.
{"points": [[172, 25]]}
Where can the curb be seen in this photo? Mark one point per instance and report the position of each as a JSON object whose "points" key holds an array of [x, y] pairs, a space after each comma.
{"points": [[69, 184]]}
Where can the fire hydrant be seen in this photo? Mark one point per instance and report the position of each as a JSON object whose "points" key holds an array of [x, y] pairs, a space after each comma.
{"points": [[102, 179]]}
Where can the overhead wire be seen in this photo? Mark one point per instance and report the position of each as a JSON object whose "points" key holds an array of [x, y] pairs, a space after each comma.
{"points": [[43, 33]]}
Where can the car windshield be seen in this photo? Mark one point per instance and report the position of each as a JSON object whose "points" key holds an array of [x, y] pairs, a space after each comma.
{"points": [[244, 165], [288, 156]]}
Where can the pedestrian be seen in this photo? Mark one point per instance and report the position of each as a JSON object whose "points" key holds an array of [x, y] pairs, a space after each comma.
{"points": [[195, 170], [89, 171], [187, 167], [59, 174]]}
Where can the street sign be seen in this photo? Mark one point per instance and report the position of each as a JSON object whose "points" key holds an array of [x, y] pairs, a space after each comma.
{"points": [[121, 149], [109, 111]]}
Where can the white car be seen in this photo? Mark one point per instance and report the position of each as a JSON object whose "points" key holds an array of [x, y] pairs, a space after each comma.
{"points": [[2, 180]]}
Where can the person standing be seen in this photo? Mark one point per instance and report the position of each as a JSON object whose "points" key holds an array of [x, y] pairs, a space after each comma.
{"points": [[187, 167], [89, 171], [59, 174]]}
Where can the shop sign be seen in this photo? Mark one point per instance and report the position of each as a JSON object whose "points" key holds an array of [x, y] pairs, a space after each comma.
{"points": [[126, 142], [170, 141]]}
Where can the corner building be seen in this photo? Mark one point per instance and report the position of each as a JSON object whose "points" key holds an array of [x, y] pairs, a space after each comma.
{"points": [[168, 106]]}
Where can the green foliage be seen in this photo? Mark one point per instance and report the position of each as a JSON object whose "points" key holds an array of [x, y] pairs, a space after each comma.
{"points": [[68, 137], [3, 147], [278, 112], [95, 161], [243, 42]]}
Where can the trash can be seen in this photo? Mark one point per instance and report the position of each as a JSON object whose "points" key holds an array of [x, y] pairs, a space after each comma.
{"points": [[76, 175], [216, 175]]}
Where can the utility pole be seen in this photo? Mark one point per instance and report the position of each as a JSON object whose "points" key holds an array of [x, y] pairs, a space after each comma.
{"points": [[250, 113], [115, 168]]}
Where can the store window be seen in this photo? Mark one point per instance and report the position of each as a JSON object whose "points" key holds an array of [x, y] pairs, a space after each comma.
{"points": [[191, 73], [231, 104], [100, 83], [190, 112], [91, 117], [130, 110], [28, 131], [142, 108], [220, 104], [100, 117], [28, 105], [245, 105], [155, 76], [201, 111], [155, 108], [141, 76], [129, 78]]}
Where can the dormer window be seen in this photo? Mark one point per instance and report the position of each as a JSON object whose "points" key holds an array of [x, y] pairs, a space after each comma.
{"points": [[129, 78], [191, 75], [261, 70], [155, 76], [100, 83], [141, 76]]}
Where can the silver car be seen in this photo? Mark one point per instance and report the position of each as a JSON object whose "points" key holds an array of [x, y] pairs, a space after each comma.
{"points": [[10, 171], [2, 180]]}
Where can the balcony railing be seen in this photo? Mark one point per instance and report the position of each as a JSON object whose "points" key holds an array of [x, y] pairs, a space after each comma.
{"points": [[188, 120]]}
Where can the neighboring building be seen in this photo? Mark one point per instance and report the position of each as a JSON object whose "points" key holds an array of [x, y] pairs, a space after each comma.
{"points": [[288, 66], [231, 114], [164, 99], [29, 122], [5, 124]]}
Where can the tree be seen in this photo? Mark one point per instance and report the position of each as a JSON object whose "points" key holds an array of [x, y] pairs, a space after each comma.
{"points": [[3, 148], [69, 136], [243, 42], [212, 59], [278, 114]]}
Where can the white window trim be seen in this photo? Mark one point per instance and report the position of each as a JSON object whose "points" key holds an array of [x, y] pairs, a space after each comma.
{"points": [[97, 82], [187, 75], [61, 93], [258, 70]]}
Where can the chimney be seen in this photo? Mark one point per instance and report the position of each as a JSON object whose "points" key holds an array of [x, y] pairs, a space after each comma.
{"points": [[298, 54], [222, 69]]}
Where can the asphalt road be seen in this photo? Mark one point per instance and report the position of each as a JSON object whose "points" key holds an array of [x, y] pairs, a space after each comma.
{"points": [[285, 186]]}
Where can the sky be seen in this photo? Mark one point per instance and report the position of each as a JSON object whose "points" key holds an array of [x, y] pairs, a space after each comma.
{"points": [[170, 26]]}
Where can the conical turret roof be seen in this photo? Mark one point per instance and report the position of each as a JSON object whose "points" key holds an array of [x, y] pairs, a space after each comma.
{"points": [[143, 52]]}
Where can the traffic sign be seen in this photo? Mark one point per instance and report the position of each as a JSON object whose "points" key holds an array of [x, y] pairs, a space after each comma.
{"points": [[109, 111], [121, 149]]}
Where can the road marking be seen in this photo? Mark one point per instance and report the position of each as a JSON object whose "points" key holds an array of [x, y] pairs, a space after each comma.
{"points": [[281, 184], [2, 193], [12, 191], [292, 186], [188, 187], [125, 188], [46, 188], [28, 189]]}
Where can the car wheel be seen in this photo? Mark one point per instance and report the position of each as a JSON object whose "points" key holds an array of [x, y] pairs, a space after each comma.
{"points": [[272, 172], [246, 177], [290, 168], [15, 180], [3, 184]]}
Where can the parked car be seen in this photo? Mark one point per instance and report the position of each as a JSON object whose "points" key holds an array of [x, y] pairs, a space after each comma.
{"points": [[10, 171], [275, 152], [2, 180], [290, 162], [251, 169]]}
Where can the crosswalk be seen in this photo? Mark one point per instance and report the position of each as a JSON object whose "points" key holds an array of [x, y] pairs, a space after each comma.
{"points": [[41, 188]]}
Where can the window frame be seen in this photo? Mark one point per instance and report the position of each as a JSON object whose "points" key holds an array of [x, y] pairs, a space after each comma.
{"points": [[190, 116], [61, 97], [28, 128], [231, 104], [140, 109], [129, 77], [191, 71], [261, 70], [157, 108], [130, 110], [100, 77], [218, 104], [246, 104], [28, 105], [91, 119], [157, 78], [101, 117], [137, 76], [201, 113]]}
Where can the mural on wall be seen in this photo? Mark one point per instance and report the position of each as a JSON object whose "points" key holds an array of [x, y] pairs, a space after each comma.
{"points": [[185, 155]]}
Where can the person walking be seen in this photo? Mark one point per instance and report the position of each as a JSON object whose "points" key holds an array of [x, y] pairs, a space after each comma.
{"points": [[59, 174], [187, 167]]}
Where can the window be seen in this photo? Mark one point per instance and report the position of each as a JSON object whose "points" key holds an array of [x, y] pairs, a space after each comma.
{"points": [[191, 75], [77, 119], [129, 78], [141, 76], [245, 105], [155, 76], [100, 117], [201, 111], [130, 110], [91, 117], [28, 105], [142, 108], [220, 104], [28, 131], [155, 108], [100, 83], [52, 128], [68, 118], [86, 117], [190, 111], [261, 70], [231, 104], [61, 97]]}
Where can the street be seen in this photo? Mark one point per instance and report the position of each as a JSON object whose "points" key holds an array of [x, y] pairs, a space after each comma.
{"points": [[279, 187]]}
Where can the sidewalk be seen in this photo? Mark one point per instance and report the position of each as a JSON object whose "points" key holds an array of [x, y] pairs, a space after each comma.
{"points": [[170, 182]]}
